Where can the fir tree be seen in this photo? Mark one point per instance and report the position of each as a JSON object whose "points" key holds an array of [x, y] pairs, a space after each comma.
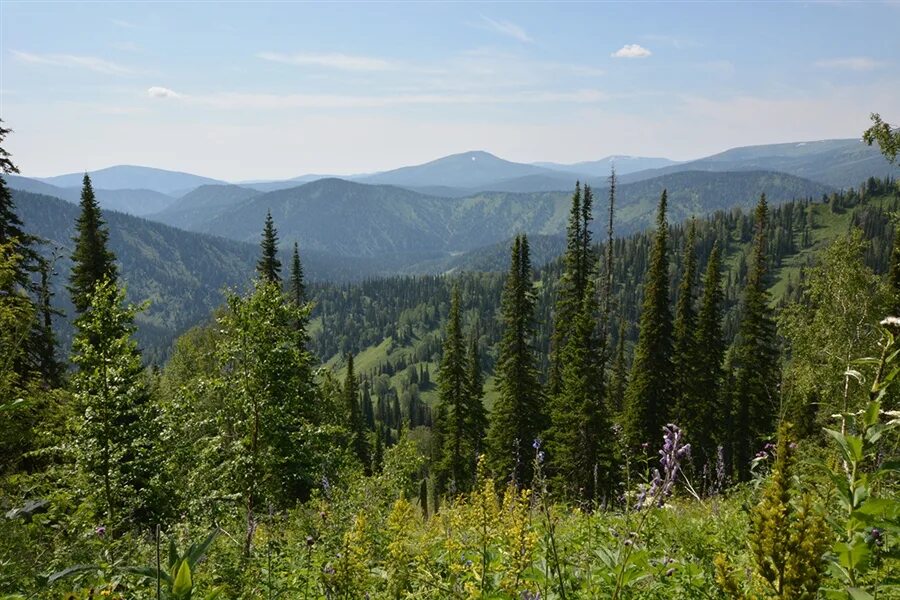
{"points": [[92, 260], [618, 381], [268, 266], [298, 285], [355, 424], [518, 416], [703, 409], [684, 350], [755, 360], [49, 366], [578, 428], [571, 288], [477, 426], [368, 410], [453, 388], [11, 231], [649, 388]]}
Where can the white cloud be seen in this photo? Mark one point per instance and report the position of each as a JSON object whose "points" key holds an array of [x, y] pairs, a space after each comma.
{"points": [[256, 101], [507, 28], [162, 92], [343, 62], [631, 51], [852, 63], [91, 63]]}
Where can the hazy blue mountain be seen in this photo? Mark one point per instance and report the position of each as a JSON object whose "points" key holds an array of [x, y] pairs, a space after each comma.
{"points": [[400, 228], [131, 177], [135, 202], [624, 165], [196, 207], [838, 163], [467, 170]]}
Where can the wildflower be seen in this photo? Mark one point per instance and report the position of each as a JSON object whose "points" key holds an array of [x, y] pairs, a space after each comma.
{"points": [[529, 595], [536, 444], [540, 457], [670, 572], [310, 541], [100, 531], [876, 536], [673, 452]]}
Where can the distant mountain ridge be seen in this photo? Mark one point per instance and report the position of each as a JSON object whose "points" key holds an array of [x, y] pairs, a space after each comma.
{"points": [[121, 177]]}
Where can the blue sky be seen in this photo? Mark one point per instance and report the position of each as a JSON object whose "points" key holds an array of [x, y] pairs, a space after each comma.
{"points": [[252, 90]]}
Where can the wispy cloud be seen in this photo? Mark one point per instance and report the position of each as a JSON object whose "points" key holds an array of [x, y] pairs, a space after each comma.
{"points": [[243, 101], [342, 62], [126, 46], [851, 63], [631, 51], [92, 63], [507, 28]]}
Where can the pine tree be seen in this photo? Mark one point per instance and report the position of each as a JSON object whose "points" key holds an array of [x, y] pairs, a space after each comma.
{"points": [[453, 388], [649, 389], [92, 261], [684, 349], [268, 266], [756, 357], [355, 424], [115, 420], [518, 416], [368, 410], [703, 410], [571, 288]]}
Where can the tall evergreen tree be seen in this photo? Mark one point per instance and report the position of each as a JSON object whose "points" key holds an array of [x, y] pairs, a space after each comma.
{"points": [[518, 416], [478, 418], [45, 347], [618, 380], [756, 357], [703, 410], [575, 439], [894, 273], [268, 266], [684, 349], [453, 387], [92, 261], [11, 231], [298, 285], [355, 423], [368, 410], [649, 389]]}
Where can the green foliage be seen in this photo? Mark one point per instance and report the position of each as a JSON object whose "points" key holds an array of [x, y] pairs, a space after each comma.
{"points": [[115, 429], [175, 577], [887, 138]]}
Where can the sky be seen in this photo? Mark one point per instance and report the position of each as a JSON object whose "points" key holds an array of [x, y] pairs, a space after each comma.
{"points": [[243, 91]]}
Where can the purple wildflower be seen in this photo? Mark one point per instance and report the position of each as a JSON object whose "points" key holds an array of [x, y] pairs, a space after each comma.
{"points": [[673, 452], [536, 444], [529, 595], [100, 531]]}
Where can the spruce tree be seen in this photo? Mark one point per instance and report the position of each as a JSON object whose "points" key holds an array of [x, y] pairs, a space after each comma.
{"points": [[684, 349], [453, 389], [571, 289], [756, 357], [92, 261], [50, 367], [355, 424], [268, 266], [703, 409], [518, 416], [649, 389], [368, 410]]}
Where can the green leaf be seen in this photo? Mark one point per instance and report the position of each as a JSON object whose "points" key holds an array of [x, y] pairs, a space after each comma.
{"points": [[841, 441], [859, 594], [855, 447], [68, 572], [183, 583], [173, 555], [870, 417], [196, 551], [852, 555]]}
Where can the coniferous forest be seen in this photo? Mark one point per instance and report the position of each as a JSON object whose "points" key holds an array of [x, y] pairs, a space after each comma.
{"points": [[702, 409]]}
